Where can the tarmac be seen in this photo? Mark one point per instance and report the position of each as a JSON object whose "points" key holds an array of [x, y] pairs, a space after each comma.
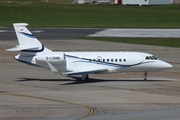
{"points": [[33, 93]]}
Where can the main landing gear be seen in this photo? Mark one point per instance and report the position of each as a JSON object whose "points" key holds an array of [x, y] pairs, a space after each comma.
{"points": [[85, 78]]}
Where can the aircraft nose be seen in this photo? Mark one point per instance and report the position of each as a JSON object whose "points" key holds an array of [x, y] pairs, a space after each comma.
{"points": [[165, 65], [169, 65]]}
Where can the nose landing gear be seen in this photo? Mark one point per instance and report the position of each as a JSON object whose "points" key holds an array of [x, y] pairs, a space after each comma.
{"points": [[145, 75]]}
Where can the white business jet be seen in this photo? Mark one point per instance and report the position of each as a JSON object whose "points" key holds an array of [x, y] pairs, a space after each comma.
{"points": [[82, 63]]}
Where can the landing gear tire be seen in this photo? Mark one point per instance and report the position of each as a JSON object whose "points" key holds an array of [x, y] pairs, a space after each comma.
{"points": [[85, 78]]}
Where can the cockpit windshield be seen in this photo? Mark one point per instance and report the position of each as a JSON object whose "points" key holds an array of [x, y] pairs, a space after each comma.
{"points": [[151, 58]]}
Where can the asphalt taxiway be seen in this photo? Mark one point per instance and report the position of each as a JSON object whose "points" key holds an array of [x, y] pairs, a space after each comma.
{"points": [[76, 33], [51, 33], [34, 93]]}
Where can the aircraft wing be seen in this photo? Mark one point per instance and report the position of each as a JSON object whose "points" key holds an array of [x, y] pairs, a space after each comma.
{"points": [[85, 72], [54, 70]]}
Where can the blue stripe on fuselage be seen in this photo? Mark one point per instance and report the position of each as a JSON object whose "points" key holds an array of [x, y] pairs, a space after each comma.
{"points": [[104, 63], [29, 63]]}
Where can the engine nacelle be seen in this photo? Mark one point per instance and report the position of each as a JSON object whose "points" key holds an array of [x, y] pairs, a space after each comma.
{"points": [[54, 59]]}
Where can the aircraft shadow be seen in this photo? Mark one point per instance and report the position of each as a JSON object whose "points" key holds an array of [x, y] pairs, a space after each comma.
{"points": [[37, 79], [77, 80], [96, 80]]}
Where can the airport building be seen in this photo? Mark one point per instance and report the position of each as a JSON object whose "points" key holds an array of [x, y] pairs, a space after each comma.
{"points": [[146, 2], [129, 2], [94, 1], [176, 1]]}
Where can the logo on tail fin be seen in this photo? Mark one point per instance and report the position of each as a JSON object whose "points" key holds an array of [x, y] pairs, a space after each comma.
{"points": [[27, 41], [28, 35]]}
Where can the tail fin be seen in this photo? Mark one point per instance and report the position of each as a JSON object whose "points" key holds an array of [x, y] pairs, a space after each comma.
{"points": [[27, 41]]}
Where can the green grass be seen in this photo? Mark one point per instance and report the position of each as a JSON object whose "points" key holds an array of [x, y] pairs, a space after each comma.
{"points": [[39, 14], [170, 42]]}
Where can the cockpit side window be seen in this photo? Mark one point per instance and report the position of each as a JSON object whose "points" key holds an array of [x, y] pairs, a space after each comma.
{"points": [[154, 57], [147, 58], [151, 57]]}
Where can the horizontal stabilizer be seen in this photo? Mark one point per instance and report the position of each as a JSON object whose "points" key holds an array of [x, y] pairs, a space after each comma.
{"points": [[23, 47], [85, 72]]}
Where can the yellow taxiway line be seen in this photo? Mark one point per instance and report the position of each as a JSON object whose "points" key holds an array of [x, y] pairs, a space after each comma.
{"points": [[91, 110]]}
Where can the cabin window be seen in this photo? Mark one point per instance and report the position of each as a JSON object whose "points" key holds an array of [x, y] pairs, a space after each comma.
{"points": [[107, 60], [116, 60], [124, 60], [119, 60], [103, 60], [111, 60]]}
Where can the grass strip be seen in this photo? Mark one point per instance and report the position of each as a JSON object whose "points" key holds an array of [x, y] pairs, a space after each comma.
{"points": [[40, 14]]}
